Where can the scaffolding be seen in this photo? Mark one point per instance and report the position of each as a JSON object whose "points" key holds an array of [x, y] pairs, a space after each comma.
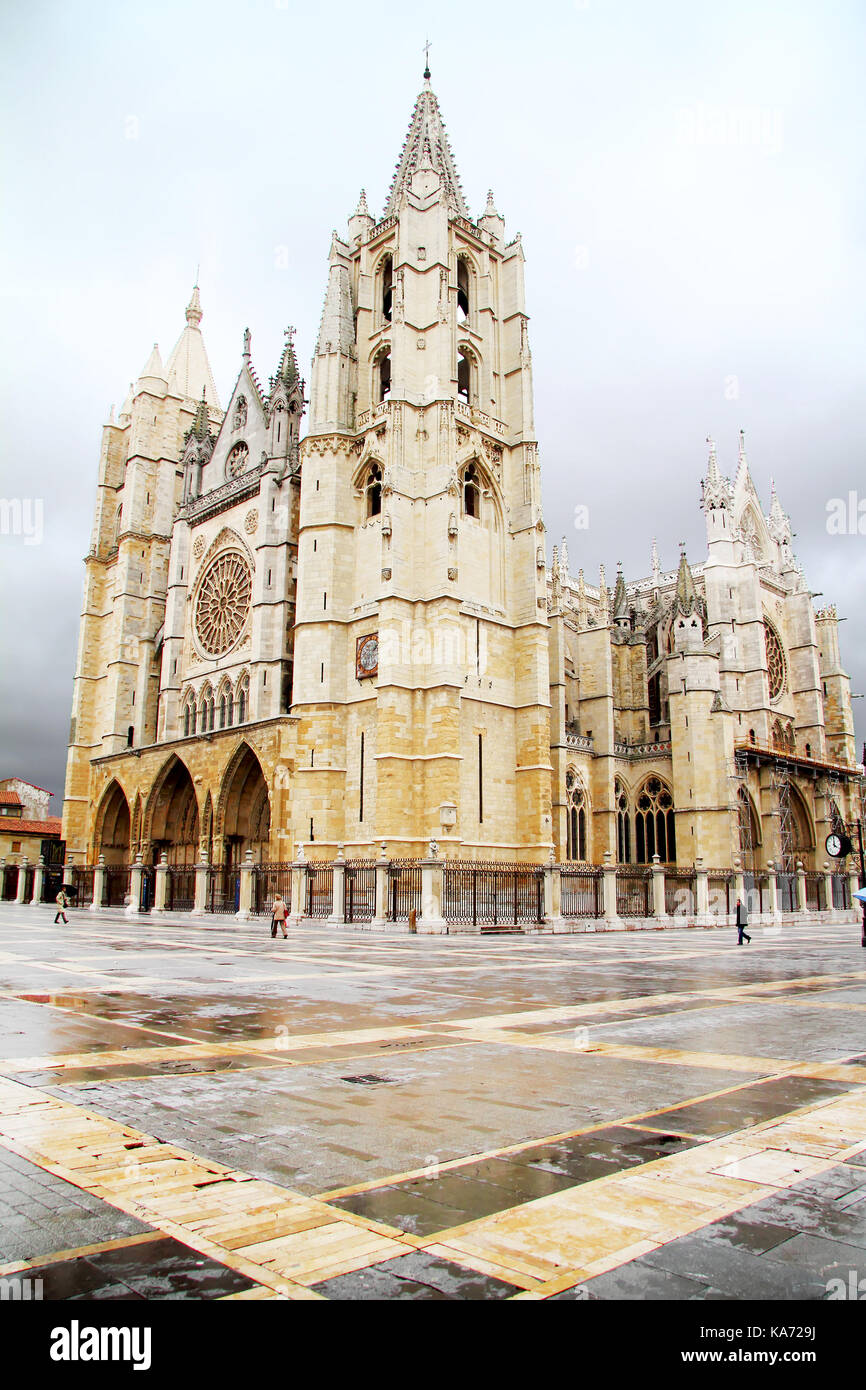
{"points": [[780, 785], [741, 813]]}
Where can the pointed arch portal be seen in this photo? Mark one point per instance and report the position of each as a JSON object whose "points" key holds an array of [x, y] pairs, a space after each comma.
{"points": [[173, 815], [113, 826], [244, 815]]}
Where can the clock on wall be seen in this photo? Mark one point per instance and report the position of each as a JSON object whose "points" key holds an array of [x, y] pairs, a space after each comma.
{"points": [[838, 845], [367, 656]]}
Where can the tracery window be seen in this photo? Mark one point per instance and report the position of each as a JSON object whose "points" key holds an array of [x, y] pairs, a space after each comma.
{"points": [[243, 699], [776, 667], [223, 603], [654, 823], [373, 489], [237, 461], [575, 798], [385, 376], [623, 823], [471, 492]]}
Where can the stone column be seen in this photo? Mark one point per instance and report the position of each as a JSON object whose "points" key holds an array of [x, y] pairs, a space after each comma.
{"points": [[553, 896], [245, 902], [738, 887], [432, 922], [98, 884], [659, 908], [854, 884], [22, 879], [136, 873], [202, 874], [609, 870], [38, 880], [828, 888], [338, 904], [160, 893], [299, 883], [702, 892], [801, 889], [380, 918], [774, 890]]}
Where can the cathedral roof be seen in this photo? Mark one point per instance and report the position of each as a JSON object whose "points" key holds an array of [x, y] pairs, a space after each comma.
{"points": [[426, 146], [188, 369]]}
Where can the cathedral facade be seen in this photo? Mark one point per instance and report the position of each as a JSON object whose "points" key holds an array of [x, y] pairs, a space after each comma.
{"points": [[339, 635]]}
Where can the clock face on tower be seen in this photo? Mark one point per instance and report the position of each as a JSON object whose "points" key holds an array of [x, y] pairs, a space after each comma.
{"points": [[834, 846], [367, 656]]}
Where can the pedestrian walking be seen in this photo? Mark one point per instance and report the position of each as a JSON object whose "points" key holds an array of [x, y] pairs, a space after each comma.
{"points": [[62, 903], [278, 919], [742, 923]]}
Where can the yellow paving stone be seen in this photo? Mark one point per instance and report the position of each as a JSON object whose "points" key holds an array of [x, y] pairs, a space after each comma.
{"points": [[773, 1168], [482, 1266]]}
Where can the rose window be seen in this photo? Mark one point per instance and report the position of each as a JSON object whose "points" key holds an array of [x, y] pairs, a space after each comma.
{"points": [[237, 461], [775, 661], [223, 604]]}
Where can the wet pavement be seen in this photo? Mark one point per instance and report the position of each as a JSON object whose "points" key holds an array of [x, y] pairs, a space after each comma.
{"points": [[193, 1110]]}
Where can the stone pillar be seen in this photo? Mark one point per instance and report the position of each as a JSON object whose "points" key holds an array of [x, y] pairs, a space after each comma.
{"points": [[202, 874], [553, 895], [828, 888], [160, 893], [702, 892], [299, 883], [739, 887], [853, 885], [659, 909], [773, 889], [98, 884], [432, 922], [380, 918], [38, 880], [338, 904], [245, 902], [609, 871], [801, 889], [22, 878], [133, 908]]}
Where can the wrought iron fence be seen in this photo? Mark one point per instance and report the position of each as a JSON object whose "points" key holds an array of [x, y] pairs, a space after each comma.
{"points": [[80, 883], [841, 892], [319, 896], [147, 888], [816, 894], [52, 882], [10, 882], [268, 881], [680, 892], [404, 889], [786, 892], [180, 888], [115, 885], [223, 888], [720, 890], [360, 905], [490, 894], [757, 891], [581, 891], [633, 892]]}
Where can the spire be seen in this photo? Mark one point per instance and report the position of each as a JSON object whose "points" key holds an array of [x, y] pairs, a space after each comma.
{"points": [[687, 595], [654, 561], [426, 147], [713, 475], [200, 423], [153, 366], [337, 328], [188, 370], [715, 490], [620, 597], [362, 210], [288, 368], [566, 570]]}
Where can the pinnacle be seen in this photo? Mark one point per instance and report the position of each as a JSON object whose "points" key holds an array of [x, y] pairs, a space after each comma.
{"points": [[426, 146]]}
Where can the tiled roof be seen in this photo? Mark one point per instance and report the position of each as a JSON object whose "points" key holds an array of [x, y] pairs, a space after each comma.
{"points": [[12, 826], [10, 799]]}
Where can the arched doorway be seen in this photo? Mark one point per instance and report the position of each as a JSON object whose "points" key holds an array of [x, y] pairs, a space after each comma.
{"points": [[112, 826], [173, 815], [244, 813]]}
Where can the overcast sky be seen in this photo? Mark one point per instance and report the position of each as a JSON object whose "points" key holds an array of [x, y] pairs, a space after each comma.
{"points": [[687, 176]]}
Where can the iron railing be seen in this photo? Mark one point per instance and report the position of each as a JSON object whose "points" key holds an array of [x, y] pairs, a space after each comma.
{"points": [[633, 892], [582, 891], [360, 880], [680, 892], [404, 889], [492, 894], [319, 896]]}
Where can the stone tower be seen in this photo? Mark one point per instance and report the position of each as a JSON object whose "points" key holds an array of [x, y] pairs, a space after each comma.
{"points": [[421, 681]]}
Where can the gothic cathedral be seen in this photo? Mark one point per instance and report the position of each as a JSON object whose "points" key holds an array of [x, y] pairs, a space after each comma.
{"points": [[330, 639]]}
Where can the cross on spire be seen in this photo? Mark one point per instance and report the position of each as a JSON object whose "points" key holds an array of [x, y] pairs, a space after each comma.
{"points": [[427, 48]]}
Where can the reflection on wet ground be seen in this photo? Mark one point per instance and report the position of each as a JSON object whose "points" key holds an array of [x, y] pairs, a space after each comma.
{"points": [[427, 1084]]}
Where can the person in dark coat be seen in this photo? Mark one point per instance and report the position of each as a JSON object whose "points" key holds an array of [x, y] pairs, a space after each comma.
{"points": [[742, 923]]}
